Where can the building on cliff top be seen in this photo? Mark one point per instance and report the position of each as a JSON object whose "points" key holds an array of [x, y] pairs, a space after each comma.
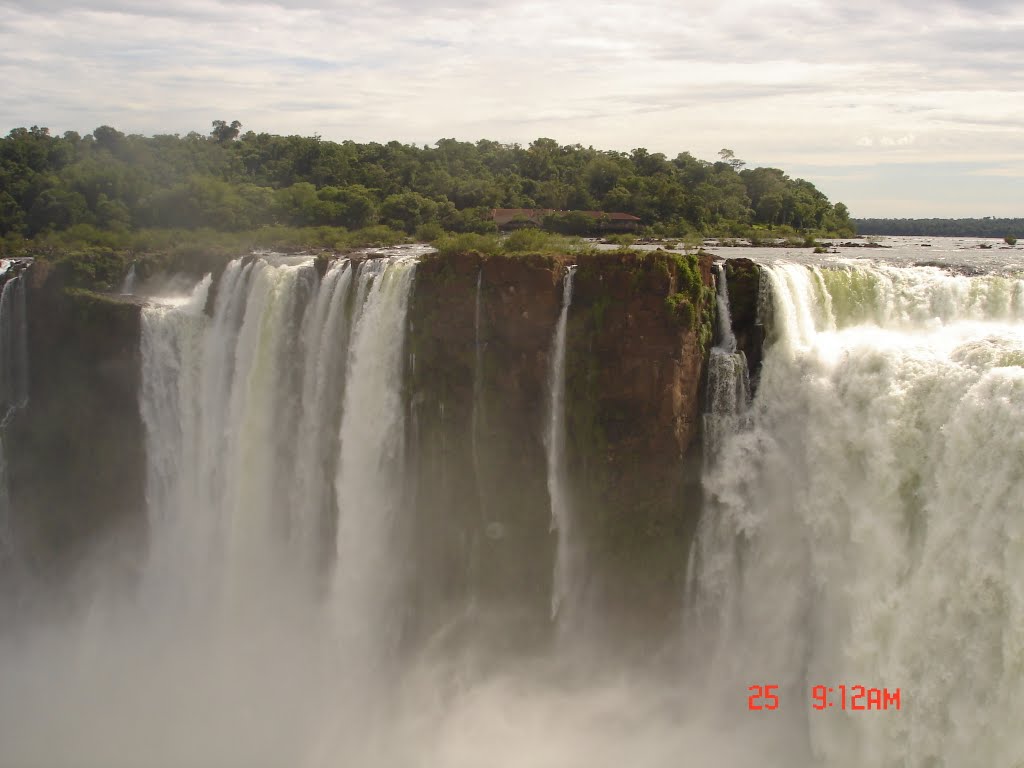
{"points": [[518, 218]]}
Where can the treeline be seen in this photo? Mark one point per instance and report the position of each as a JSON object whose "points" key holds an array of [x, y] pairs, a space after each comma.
{"points": [[986, 227], [229, 181]]}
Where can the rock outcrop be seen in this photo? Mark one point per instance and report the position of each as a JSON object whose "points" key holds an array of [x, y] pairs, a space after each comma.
{"points": [[637, 334], [743, 278], [77, 463]]}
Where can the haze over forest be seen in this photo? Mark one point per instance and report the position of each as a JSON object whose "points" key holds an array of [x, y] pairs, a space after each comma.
{"points": [[231, 181]]}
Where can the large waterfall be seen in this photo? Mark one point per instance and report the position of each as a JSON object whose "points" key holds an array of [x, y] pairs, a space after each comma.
{"points": [[300, 598], [866, 530]]}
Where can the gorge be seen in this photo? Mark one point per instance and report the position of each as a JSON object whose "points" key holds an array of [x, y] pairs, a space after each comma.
{"points": [[408, 509]]}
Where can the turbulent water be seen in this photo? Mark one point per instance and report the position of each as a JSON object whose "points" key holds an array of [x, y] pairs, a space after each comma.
{"points": [[861, 527], [866, 528]]}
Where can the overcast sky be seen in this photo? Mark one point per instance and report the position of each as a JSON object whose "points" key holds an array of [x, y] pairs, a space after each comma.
{"points": [[896, 107]]}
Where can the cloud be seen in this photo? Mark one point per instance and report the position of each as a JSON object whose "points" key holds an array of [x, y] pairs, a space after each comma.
{"points": [[901, 141]]}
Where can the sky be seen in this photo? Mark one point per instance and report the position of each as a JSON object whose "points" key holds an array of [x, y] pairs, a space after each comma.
{"points": [[896, 107]]}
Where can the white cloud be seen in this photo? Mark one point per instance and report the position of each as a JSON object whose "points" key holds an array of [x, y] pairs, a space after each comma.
{"points": [[901, 141], [781, 83]]}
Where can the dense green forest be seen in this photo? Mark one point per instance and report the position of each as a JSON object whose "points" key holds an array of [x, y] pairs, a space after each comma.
{"points": [[986, 227], [227, 181]]}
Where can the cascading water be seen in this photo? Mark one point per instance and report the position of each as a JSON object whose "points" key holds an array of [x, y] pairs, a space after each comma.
{"points": [[324, 340], [13, 380], [478, 384], [270, 425], [370, 476], [728, 379], [477, 420], [128, 286], [566, 582], [860, 528], [726, 337], [221, 430], [864, 529], [250, 440]]}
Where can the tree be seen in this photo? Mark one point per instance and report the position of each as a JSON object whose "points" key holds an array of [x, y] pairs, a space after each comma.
{"points": [[229, 180], [12, 217], [222, 133], [109, 139], [408, 211], [729, 157], [352, 206]]}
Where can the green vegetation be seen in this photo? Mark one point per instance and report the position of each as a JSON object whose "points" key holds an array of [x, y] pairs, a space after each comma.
{"points": [[519, 242], [986, 227], [1010, 240], [684, 305], [114, 192]]}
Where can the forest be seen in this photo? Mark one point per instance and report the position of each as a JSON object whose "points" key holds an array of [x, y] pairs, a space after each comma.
{"points": [[107, 187], [985, 227]]}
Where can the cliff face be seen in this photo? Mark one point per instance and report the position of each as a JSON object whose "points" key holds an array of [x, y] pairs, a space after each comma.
{"points": [[76, 461], [480, 336], [638, 337], [480, 341]]}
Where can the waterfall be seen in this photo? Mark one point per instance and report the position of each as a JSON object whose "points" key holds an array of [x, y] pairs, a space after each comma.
{"points": [[242, 412], [566, 586], [478, 384], [13, 343], [298, 603], [324, 340], [864, 528], [728, 378], [221, 429], [13, 380], [477, 417], [370, 476], [726, 338], [128, 286], [275, 444]]}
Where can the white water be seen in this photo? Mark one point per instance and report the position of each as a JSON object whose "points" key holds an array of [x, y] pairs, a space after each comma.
{"points": [[250, 460], [477, 415], [726, 338], [862, 530], [371, 470], [128, 286], [13, 384], [566, 582], [866, 530], [728, 379], [324, 343], [220, 433]]}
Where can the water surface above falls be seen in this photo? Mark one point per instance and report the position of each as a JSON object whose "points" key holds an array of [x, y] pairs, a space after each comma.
{"points": [[973, 255], [352, 476]]}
